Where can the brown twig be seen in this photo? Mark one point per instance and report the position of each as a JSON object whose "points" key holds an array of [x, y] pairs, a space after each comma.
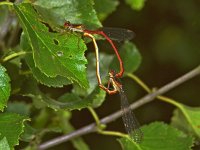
{"points": [[146, 99]]}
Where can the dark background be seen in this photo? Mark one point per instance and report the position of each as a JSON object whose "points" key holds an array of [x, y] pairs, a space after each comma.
{"points": [[167, 36]]}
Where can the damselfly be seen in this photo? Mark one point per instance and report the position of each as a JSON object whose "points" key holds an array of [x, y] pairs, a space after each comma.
{"points": [[108, 34], [130, 122]]}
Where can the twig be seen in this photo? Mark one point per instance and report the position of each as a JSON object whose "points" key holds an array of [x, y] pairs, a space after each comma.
{"points": [[146, 99], [9, 57], [6, 3]]}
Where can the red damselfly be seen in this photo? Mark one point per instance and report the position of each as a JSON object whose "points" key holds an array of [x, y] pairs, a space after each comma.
{"points": [[130, 122], [115, 33]]}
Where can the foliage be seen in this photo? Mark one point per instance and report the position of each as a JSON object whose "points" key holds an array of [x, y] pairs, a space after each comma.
{"points": [[167, 137], [48, 71], [5, 87], [136, 4], [4, 144], [11, 126]]}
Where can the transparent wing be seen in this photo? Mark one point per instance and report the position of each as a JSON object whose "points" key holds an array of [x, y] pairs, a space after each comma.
{"points": [[130, 122], [118, 34]]}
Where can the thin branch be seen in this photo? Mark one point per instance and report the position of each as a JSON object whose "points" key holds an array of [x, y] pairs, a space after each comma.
{"points": [[146, 99], [9, 57], [6, 3]]}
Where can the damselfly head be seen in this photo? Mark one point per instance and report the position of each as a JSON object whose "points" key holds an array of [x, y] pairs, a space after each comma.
{"points": [[74, 27], [111, 73], [116, 83], [67, 24]]}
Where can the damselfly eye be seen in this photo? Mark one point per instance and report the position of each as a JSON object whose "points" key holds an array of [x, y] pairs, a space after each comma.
{"points": [[67, 24]]}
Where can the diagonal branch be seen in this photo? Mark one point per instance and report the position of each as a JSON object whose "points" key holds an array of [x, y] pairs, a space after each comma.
{"points": [[146, 99]]}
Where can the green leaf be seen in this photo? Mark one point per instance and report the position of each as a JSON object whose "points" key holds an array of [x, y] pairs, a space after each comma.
{"points": [[19, 108], [14, 70], [54, 54], [159, 136], [187, 119], [4, 144], [105, 7], [136, 4], [130, 57], [11, 126], [97, 97], [28, 134], [105, 61], [81, 12], [68, 101], [4, 87], [30, 89], [42, 118], [71, 101], [57, 81]]}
